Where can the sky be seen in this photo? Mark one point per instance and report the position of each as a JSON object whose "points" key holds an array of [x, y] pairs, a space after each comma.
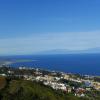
{"points": [[32, 26]]}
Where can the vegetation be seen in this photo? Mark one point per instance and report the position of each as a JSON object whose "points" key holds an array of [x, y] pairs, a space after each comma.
{"points": [[27, 90], [18, 89], [2, 82], [71, 83], [97, 79]]}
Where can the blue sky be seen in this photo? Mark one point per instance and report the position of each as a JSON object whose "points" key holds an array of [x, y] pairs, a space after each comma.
{"points": [[30, 26]]}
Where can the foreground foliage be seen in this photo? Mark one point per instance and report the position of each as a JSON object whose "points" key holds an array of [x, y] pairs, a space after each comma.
{"points": [[27, 90]]}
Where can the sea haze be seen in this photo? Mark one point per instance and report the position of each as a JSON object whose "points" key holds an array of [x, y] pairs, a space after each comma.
{"points": [[74, 63]]}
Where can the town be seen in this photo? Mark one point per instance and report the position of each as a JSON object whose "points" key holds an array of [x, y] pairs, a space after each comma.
{"points": [[78, 85]]}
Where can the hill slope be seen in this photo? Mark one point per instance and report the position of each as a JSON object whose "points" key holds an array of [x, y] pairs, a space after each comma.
{"points": [[27, 90]]}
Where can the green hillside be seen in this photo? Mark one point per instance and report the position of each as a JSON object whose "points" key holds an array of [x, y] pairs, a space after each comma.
{"points": [[2, 82], [27, 90]]}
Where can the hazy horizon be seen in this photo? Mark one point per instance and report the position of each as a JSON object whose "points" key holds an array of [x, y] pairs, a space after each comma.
{"points": [[29, 27]]}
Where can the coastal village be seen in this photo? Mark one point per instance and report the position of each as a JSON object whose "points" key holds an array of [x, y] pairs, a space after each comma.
{"points": [[78, 85]]}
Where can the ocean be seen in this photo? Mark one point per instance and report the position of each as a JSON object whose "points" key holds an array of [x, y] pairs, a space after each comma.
{"points": [[88, 64]]}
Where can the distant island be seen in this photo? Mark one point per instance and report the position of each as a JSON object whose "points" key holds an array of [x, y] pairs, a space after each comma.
{"points": [[66, 51]]}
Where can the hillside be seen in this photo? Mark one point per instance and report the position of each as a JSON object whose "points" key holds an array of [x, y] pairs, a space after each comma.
{"points": [[2, 82], [27, 90]]}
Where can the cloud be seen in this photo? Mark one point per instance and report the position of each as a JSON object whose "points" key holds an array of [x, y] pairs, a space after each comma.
{"points": [[41, 42]]}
